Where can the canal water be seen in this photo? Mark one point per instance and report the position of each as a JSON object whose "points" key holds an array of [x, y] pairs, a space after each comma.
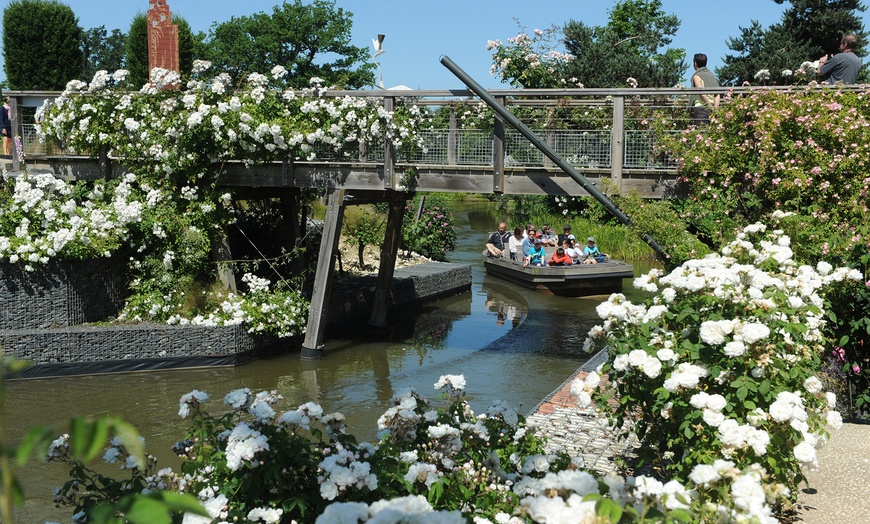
{"points": [[511, 344]]}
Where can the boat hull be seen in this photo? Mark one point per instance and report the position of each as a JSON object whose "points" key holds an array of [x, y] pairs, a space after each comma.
{"points": [[573, 281]]}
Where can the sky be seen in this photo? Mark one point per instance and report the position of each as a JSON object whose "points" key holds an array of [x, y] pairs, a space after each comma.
{"points": [[418, 33]]}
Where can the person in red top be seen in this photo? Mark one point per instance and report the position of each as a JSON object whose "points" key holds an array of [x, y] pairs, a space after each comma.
{"points": [[560, 258]]}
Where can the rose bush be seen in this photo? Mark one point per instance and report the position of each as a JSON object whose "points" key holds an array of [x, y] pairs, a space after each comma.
{"points": [[260, 461], [167, 212], [722, 362]]}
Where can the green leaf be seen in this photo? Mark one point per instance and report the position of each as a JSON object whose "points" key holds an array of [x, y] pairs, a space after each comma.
{"points": [[87, 437], [129, 436], [742, 392], [35, 437]]}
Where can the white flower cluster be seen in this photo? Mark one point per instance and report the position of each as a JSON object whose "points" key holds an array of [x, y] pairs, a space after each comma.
{"points": [[195, 397], [343, 471], [243, 443], [583, 388], [412, 508]]}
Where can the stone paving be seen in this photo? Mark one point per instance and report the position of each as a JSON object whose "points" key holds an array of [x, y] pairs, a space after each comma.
{"points": [[579, 431]]}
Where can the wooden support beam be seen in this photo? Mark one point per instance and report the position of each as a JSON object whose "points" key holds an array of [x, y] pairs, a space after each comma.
{"points": [[389, 151], [389, 252], [15, 117], [221, 254], [498, 150], [312, 346], [617, 142]]}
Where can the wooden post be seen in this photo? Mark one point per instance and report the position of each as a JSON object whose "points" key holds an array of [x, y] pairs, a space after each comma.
{"points": [[105, 162], [15, 117], [312, 346], [498, 150], [452, 139], [389, 251], [221, 253], [389, 151], [617, 142]]}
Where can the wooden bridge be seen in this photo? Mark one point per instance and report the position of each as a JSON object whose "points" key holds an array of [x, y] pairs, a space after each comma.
{"points": [[600, 134], [603, 133]]}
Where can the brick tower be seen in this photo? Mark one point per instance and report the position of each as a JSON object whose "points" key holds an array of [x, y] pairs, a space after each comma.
{"points": [[162, 37]]}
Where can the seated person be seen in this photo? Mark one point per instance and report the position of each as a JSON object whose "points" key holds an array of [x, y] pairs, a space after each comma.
{"points": [[560, 258], [528, 242], [530, 230], [495, 246], [547, 236], [576, 254], [593, 256], [515, 243], [560, 240], [536, 254]]}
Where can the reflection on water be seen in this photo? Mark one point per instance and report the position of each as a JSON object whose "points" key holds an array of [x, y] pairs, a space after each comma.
{"points": [[511, 343]]}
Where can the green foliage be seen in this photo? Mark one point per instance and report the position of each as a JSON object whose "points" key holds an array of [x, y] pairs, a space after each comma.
{"points": [[366, 230], [309, 40], [85, 440], [808, 29], [137, 50], [714, 369], [42, 45], [627, 47], [624, 52], [102, 50], [434, 234], [802, 152]]}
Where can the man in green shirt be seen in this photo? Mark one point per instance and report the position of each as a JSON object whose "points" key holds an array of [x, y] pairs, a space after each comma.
{"points": [[702, 104]]}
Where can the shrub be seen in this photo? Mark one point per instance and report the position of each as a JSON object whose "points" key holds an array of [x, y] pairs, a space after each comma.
{"points": [[722, 362]]}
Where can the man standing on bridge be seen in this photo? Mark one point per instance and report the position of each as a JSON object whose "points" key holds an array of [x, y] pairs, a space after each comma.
{"points": [[702, 104]]}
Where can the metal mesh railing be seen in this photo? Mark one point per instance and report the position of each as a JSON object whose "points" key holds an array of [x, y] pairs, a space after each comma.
{"points": [[640, 152], [31, 144]]}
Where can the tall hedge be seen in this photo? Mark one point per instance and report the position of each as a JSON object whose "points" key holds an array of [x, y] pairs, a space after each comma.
{"points": [[42, 45]]}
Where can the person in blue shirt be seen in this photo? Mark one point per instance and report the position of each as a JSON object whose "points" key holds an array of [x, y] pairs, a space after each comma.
{"points": [[536, 254], [593, 256]]}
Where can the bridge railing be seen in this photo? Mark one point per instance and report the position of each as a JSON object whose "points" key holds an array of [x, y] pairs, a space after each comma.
{"points": [[600, 130]]}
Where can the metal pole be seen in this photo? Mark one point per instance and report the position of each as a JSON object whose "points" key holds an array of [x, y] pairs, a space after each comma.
{"points": [[566, 167]]}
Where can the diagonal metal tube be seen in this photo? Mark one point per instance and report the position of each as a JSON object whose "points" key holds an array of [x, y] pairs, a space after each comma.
{"points": [[545, 149]]}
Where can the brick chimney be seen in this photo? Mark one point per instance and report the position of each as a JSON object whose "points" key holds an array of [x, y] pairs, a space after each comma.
{"points": [[162, 37]]}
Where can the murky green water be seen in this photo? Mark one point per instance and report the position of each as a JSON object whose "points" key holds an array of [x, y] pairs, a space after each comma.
{"points": [[511, 344]]}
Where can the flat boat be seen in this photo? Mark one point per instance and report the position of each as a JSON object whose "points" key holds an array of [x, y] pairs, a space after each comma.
{"points": [[573, 281]]}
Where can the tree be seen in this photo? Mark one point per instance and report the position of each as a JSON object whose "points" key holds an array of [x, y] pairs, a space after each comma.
{"points": [[42, 44], [137, 48], [102, 51], [296, 36], [627, 47], [808, 29]]}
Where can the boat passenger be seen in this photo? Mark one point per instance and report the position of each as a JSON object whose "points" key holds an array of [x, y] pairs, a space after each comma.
{"points": [[530, 230], [560, 258], [528, 242], [593, 255], [515, 243], [536, 254], [565, 234], [549, 239], [496, 245], [572, 251]]}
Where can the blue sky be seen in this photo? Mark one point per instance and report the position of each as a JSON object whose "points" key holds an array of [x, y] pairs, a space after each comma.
{"points": [[418, 33]]}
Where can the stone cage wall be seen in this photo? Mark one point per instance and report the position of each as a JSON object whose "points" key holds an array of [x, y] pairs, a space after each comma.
{"points": [[47, 317], [61, 294]]}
